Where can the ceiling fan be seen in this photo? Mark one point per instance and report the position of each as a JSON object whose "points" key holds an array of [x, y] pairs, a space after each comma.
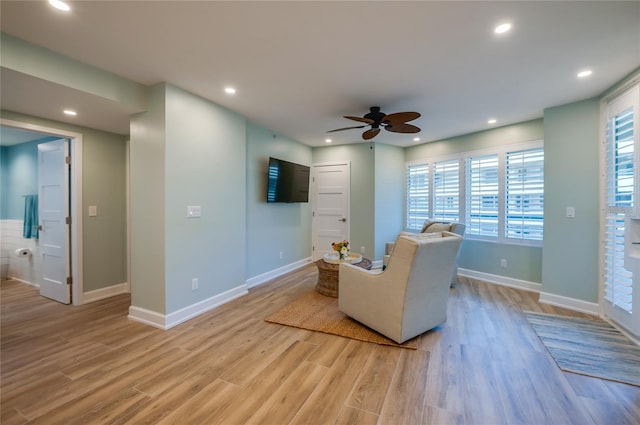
{"points": [[396, 123]]}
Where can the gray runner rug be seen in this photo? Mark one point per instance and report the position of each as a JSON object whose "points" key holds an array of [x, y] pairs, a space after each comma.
{"points": [[588, 347]]}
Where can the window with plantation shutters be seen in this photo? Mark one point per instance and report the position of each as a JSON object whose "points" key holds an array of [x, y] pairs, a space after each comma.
{"points": [[418, 200], [483, 196], [446, 190], [620, 187], [524, 194], [498, 193], [620, 161]]}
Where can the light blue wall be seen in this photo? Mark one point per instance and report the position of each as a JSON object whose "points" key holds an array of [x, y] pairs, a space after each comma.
{"points": [[147, 200], [4, 175], [205, 166], [524, 262], [570, 255], [362, 208], [20, 177], [104, 236], [389, 196], [273, 228], [186, 151]]}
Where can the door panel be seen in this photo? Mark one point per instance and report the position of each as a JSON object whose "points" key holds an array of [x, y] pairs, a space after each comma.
{"points": [[330, 206], [53, 210]]}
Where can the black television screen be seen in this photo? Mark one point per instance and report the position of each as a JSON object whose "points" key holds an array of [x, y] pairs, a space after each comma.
{"points": [[287, 181]]}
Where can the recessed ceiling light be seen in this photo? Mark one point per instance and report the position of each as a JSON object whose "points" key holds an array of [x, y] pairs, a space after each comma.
{"points": [[492, 121], [328, 140], [416, 139], [60, 5], [230, 90], [70, 112], [585, 73], [502, 28]]}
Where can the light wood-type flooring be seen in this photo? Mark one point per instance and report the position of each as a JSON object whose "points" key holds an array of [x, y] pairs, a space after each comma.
{"points": [[91, 365]]}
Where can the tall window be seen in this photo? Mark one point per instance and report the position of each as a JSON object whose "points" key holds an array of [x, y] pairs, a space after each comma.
{"points": [[446, 190], [497, 193], [619, 202], [417, 195], [524, 194], [483, 195]]}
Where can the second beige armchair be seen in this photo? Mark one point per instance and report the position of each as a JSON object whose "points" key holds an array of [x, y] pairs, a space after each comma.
{"points": [[431, 227]]}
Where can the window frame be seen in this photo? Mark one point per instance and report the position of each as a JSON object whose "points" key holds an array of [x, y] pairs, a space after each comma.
{"points": [[464, 158]]}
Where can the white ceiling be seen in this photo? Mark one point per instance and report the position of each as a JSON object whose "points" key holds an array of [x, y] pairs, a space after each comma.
{"points": [[300, 66]]}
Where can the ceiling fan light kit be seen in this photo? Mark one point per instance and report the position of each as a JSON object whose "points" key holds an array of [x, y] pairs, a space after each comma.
{"points": [[395, 123]]}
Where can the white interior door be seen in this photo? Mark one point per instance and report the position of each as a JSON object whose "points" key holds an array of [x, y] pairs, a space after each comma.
{"points": [[331, 183], [53, 210]]}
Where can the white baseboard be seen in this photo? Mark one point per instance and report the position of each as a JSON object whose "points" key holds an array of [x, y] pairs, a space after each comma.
{"points": [[570, 303], [170, 320], [501, 280], [265, 277], [35, 285], [148, 317], [102, 293], [545, 297]]}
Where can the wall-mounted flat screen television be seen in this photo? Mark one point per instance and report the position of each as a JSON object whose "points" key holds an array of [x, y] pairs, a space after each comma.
{"points": [[287, 181]]}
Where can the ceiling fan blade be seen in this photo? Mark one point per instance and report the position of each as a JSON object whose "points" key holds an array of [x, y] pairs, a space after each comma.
{"points": [[402, 128], [400, 117], [370, 134], [360, 119], [346, 128]]}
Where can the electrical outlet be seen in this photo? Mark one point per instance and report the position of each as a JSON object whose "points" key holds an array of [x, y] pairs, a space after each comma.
{"points": [[362, 250], [281, 255], [503, 263], [194, 283]]}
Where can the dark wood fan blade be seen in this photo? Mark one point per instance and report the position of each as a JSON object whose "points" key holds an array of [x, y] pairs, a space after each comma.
{"points": [[346, 128], [370, 134], [400, 117], [360, 119], [402, 128]]}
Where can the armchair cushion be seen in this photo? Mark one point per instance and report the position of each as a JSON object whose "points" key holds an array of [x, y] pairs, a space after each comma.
{"points": [[434, 226]]}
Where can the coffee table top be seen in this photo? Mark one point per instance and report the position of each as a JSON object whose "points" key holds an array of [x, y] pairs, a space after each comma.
{"points": [[365, 263]]}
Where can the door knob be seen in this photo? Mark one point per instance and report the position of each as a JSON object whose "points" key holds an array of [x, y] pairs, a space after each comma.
{"points": [[40, 227], [342, 220]]}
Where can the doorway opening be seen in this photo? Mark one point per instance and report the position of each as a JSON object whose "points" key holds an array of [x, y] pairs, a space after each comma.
{"points": [[74, 252]]}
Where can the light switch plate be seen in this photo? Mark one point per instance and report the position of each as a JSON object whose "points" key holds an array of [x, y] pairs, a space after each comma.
{"points": [[194, 211], [93, 210]]}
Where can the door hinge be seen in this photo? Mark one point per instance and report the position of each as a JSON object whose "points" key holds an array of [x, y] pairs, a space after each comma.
{"points": [[313, 248], [67, 160], [67, 220], [69, 280]]}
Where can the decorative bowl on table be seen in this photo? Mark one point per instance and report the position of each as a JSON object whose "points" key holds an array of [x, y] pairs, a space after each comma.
{"points": [[334, 258]]}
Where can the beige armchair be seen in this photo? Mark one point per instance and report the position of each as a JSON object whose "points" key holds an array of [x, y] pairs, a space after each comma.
{"points": [[410, 296], [428, 228]]}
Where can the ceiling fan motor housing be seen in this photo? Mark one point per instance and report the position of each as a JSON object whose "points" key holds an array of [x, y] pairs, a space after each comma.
{"points": [[376, 116]]}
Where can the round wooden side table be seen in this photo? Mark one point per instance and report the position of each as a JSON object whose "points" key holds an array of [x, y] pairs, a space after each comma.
{"points": [[328, 276]]}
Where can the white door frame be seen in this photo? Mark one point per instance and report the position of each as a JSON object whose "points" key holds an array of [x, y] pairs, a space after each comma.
{"points": [[75, 192]]}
